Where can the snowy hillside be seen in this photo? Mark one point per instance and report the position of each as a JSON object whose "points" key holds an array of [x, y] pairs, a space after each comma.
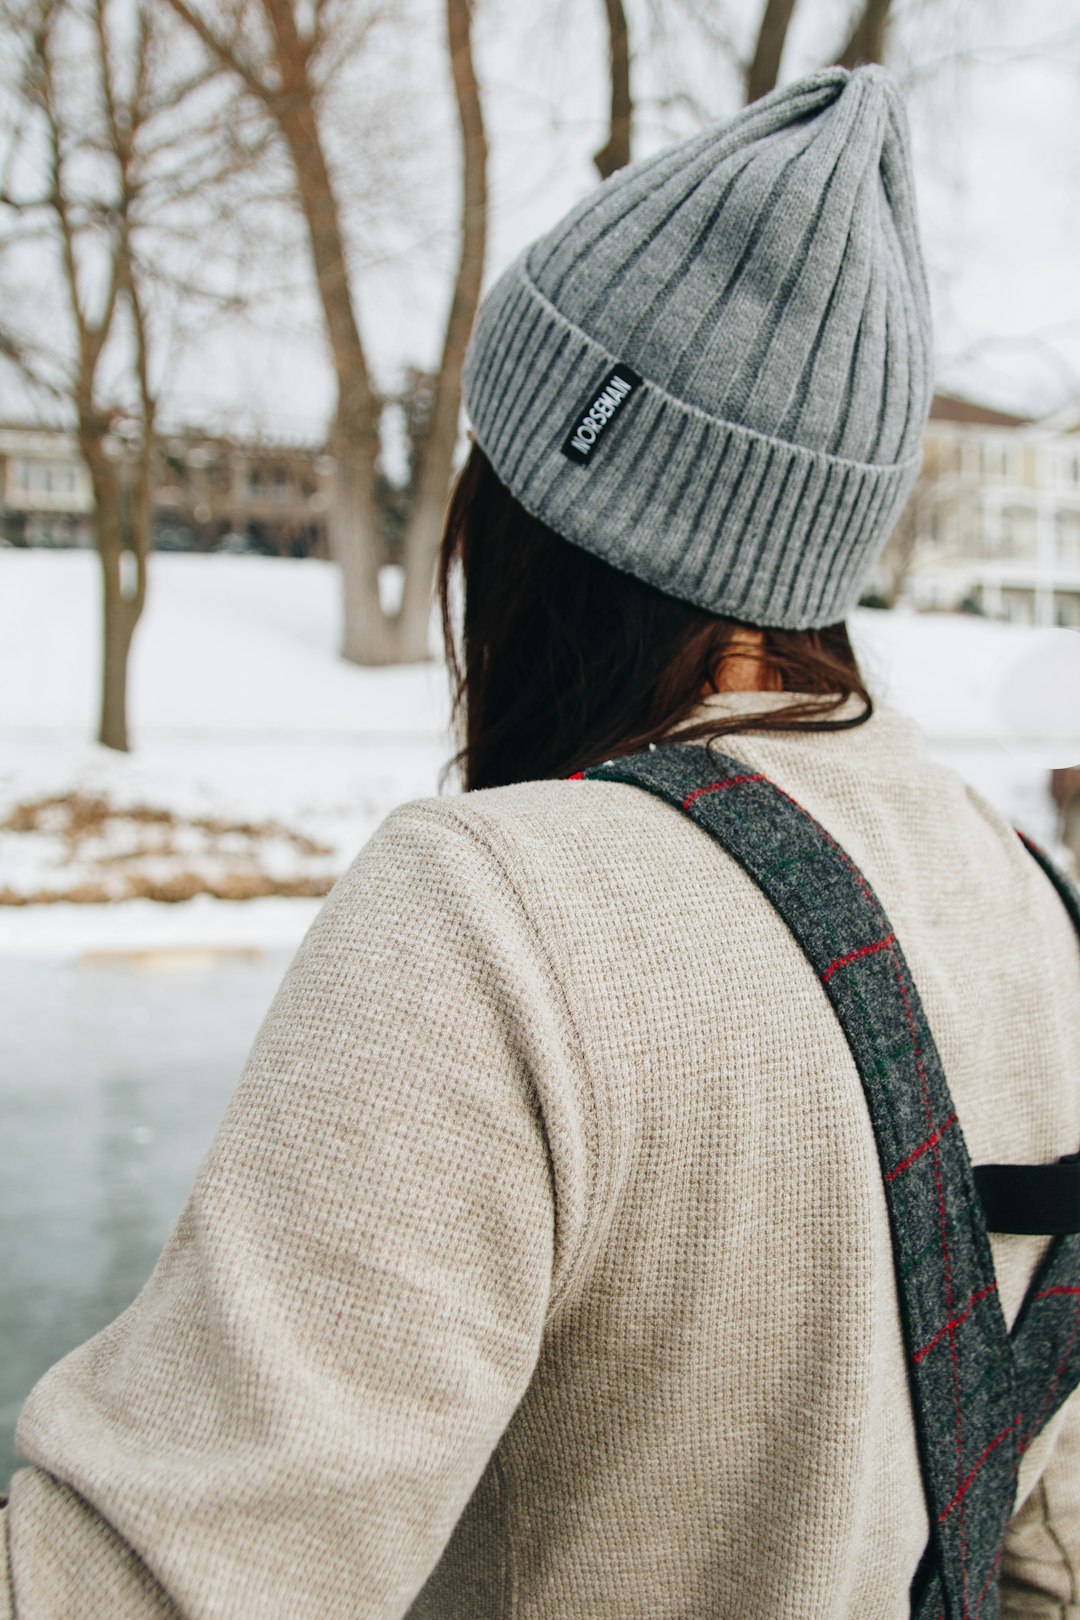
{"points": [[262, 762]]}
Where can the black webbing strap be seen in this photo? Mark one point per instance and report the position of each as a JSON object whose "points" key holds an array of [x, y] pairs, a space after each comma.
{"points": [[1036, 1200], [1040, 1200]]}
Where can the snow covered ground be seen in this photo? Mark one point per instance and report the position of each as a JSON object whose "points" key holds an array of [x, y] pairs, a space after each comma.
{"points": [[240, 713], [244, 722]]}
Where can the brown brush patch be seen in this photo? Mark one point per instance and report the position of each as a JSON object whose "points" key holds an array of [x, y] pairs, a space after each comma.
{"points": [[150, 832], [75, 817], [179, 886]]}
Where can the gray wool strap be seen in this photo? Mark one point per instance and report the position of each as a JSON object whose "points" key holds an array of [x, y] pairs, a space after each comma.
{"points": [[979, 1396]]}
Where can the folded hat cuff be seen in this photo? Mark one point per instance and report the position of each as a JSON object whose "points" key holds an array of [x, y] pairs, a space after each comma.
{"points": [[740, 524]]}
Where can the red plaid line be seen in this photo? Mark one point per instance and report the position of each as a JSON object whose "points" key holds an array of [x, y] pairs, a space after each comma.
{"points": [[923, 1147], [955, 1322], [715, 787], [853, 956], [962, 1492]]}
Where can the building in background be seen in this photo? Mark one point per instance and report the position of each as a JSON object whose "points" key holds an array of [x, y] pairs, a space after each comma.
{"points": [[211, 493], [993, 524], [45, 497]]}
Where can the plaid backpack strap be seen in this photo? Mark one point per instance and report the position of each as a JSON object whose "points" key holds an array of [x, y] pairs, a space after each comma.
{"points": [[960, 1361], [1046, 1333]]}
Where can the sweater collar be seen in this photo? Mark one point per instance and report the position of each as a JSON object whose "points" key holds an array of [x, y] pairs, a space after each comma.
{"points": [[885, 728]]}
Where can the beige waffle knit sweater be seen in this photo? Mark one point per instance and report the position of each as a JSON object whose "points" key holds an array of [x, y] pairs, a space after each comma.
{"points": [[541, 1267]]}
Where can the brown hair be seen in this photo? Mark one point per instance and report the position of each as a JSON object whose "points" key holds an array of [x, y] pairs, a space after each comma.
{"points": [[563, 661]]}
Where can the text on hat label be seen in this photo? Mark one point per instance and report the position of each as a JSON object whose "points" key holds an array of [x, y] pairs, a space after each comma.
{"points": [[602, 405]]}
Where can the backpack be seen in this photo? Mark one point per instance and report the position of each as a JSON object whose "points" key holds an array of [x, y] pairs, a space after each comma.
{"points": [[980, 1394]]}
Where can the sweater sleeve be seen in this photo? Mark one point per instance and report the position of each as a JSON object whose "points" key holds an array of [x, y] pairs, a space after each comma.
{"points": [[1040, 1573], [293, 1413]]}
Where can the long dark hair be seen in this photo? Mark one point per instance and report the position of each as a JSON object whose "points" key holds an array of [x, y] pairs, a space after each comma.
{"points": [[561, 661]]}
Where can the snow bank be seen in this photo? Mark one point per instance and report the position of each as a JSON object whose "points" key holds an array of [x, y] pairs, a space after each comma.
{"points": [[241, 708], [226, 644]]}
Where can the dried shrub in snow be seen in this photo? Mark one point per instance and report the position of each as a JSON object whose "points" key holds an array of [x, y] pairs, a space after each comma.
{"points": [[84, 849]]}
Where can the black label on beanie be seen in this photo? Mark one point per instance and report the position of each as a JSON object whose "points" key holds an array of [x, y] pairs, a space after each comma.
{"points": [[600, 408]]}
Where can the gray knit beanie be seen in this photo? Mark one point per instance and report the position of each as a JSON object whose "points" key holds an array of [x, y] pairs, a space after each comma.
{"points": [[715, 371]]}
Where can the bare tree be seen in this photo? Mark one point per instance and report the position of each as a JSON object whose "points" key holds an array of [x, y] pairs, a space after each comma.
{"points": [[87, 218], [106, 179], [281, 52]]}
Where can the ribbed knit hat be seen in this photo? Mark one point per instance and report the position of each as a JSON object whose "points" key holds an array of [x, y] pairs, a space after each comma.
{"points": [[715, 371]]}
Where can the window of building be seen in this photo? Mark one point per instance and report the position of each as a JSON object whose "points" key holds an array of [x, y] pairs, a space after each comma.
{"points": [[998, 460], [970, 460], [38, 478], [970, 526], [941, 525], [270, 482], [1018, 606], [1067, 609], [31, 476], [1068, 464], [1067, 526], [1016, 533]]}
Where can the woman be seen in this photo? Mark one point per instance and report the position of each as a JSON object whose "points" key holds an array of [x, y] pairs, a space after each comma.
{"points": [[543, 1264]]}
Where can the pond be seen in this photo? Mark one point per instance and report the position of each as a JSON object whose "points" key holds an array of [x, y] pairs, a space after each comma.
{"points": [[114, 1073]]}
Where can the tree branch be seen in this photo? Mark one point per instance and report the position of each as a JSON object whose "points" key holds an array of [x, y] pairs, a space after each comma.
{"points": [[292, 51], [58, 200], [32, 364], [224, 53], [104, 66]]}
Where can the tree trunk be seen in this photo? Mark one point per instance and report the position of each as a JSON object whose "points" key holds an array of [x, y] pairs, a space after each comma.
{"points": [[424, 529], [118, 626], [422, 539], [764, 69], [1065, 792], [352, 535], [615, 153], [353, 527], [867, 41], [123, 519], [120, 611]]}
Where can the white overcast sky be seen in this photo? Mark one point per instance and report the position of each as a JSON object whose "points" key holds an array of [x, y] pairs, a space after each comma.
{"points": [[994, 101]]}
